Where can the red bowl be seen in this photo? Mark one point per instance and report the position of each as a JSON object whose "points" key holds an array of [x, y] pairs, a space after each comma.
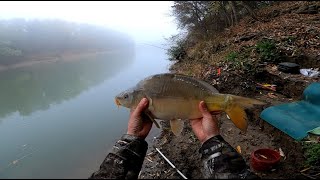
{"points": [[264, 159]]}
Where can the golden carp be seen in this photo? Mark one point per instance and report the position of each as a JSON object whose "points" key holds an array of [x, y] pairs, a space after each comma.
{"points": [[176, 98]]}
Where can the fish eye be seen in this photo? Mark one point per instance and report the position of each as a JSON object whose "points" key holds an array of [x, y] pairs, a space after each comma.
{"points": [[126, 96]]}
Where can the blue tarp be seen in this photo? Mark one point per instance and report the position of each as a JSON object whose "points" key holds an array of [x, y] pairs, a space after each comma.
{"points": [[297, 118]]}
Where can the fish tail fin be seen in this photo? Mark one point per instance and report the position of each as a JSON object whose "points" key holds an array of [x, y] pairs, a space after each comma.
{"points": [[234, 106], [238, 116], [235, 109]]}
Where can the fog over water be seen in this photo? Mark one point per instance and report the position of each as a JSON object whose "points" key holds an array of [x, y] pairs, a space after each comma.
{"points": [[61, 64]]}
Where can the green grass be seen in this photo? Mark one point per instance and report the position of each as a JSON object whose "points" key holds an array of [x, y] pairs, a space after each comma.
{"points": [[312, 153], [267, 50]]}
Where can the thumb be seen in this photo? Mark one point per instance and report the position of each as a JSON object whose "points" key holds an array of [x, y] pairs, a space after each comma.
{"points": [[203, 109]]}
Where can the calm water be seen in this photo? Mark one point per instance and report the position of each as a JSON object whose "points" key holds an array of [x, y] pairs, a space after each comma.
{"points": [[59, 120]]}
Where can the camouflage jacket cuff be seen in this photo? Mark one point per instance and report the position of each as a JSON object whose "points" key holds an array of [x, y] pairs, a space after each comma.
{"points": [[222, 161], [212, 145], [130, 145], [125, 160]]}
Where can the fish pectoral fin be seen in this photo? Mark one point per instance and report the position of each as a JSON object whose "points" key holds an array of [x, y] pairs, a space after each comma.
{"points": [[176, 126], [148, 113], [151, 107]]}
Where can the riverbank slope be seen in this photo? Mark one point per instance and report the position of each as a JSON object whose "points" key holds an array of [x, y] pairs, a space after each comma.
{"points": [[289, 32]]}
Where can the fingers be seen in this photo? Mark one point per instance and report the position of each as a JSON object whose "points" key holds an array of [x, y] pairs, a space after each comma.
{"points": [[196, 125], [194, 122], [139, 123], [141, 106], [215, 113]]}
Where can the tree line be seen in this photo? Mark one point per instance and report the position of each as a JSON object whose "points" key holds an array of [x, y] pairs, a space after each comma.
{"points": [[21, 39], [207, 17], [204, 19]]}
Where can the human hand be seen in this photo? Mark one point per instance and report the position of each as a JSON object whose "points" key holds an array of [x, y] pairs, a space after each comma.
{"points": [[207, 126], [138, 124]]}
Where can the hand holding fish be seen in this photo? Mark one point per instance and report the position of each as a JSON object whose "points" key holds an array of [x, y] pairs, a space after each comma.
{"points": [[205, 127], [139, 125]]}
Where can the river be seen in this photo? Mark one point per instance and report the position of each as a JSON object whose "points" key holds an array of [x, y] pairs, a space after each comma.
{"points": [[59, 120]]}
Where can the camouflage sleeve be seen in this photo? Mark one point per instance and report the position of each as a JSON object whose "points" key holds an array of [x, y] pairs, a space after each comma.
{"points": [[221, 161], [125, 160]]}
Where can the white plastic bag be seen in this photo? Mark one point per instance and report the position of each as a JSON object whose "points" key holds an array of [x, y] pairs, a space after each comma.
{"points": [[310, 72]]}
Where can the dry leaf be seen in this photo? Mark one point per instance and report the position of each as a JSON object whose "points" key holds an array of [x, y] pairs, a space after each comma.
{"points": [[239, 149]]}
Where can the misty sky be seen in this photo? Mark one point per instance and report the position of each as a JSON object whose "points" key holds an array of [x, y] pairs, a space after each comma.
{"points": [[144, 21]]}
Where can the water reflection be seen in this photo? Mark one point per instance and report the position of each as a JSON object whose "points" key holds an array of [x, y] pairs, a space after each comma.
{"points": [[36, 87], [69, 139]]}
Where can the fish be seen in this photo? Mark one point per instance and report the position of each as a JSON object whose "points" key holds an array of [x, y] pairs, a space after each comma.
{"points": [[175, 97]]}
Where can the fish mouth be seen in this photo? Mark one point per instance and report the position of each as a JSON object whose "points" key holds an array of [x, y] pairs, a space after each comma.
{"points": [[117, 102]]}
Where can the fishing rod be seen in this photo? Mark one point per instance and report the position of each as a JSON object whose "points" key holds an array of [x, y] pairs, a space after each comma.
{"points": [[174, 167], [155, 46]]}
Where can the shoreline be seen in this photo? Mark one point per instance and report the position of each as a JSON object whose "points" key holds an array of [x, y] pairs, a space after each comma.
{"points": [[67, 57]]}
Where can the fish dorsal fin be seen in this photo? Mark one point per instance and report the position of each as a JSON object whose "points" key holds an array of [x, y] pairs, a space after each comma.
{"points": [[176, 126], [198, 82]]}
